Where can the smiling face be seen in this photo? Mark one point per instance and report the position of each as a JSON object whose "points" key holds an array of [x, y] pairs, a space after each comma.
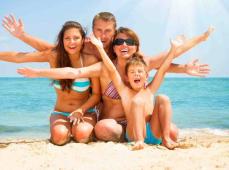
{"points": [[124, 49], [73, 41], [126, 43], [137, 76]]}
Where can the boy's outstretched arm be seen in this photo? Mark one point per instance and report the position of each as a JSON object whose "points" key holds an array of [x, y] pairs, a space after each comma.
{"points": [[113, 72], [16, 29], [159, 76]]}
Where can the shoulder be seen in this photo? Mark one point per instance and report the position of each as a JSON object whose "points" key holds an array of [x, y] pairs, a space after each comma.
{"points": [[89, 59], [47, 53], [51, 55], [90, 49]]}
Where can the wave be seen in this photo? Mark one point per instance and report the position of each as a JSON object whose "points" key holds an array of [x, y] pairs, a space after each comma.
{"points": [[219, 132]]}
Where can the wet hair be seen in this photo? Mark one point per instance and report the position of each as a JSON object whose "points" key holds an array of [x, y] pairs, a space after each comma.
{"points": [[105, 16], [136, 59], [63, 59], [130, 33]]}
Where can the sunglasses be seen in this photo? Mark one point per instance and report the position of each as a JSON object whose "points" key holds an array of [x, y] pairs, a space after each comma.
{"points": [[120, 41]]}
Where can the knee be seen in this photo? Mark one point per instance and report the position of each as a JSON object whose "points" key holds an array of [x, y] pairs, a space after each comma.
{"points": [[103, 129], [108, 130], [163, 99], [60, 135], [83, 132]]}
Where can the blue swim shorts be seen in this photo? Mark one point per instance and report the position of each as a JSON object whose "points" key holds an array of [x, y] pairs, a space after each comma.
{"points": [[150, 138]]}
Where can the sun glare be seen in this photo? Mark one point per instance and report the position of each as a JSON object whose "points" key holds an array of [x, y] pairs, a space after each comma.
{"points": [[181, 17]]}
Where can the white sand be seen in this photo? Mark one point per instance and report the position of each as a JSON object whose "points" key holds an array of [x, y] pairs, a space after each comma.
{"points": [[199, 151]]}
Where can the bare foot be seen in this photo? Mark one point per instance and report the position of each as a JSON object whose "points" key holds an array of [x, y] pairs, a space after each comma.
{"points": [[170, 144], [138, 145]]}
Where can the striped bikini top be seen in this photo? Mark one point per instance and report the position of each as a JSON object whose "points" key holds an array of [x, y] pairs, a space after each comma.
{"points": [[111, 92], [79, 85]]}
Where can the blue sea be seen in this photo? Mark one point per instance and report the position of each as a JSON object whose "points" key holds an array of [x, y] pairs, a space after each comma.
{"points": [[198, 104]]}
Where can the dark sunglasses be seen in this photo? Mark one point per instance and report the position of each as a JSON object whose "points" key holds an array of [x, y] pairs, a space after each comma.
{"points": [[120, 41]]}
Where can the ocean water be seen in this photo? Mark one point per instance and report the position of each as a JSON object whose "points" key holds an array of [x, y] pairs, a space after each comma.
{"points": [[198, 104]]}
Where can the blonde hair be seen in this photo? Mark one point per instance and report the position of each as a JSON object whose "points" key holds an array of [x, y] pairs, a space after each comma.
{"points": [[105, 16]]}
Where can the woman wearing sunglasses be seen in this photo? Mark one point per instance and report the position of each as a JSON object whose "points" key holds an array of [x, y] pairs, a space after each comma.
{"points": [[125, 44]]}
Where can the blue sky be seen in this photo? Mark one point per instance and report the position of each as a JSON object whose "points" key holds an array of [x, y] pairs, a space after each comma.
{"points": [[155, 21]]}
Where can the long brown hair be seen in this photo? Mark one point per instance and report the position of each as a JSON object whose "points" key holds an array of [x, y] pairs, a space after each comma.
{"points": [[63, 59]]}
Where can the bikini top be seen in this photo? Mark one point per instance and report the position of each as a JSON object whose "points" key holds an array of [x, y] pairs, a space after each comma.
{"points": [[111, 92], [78, 85]]}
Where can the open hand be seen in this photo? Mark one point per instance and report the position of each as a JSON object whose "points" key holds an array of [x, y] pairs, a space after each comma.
{"points": [[194, 68], [178, 41], [76, 116], [96, 41], [14, 27], [208, 32], [28, 72]]}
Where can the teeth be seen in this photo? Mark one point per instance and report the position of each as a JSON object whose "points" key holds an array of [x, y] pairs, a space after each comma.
{"points": [[124, 50]]}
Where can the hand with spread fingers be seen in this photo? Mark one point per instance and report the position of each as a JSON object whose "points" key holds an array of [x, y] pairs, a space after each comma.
{"points": [[208, 32], [96, 41], [180, 40], [76, 116], [14, 27], [194, 68]]}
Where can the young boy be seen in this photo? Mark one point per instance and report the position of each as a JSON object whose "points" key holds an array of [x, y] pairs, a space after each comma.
{"points": [[137, 76]]}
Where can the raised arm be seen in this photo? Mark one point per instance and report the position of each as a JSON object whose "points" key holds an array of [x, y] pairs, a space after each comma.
{"points": [[156, 61], [63, 73], [192, 68], [159, 76], [20, 57], [113, 72], [16, 29]]}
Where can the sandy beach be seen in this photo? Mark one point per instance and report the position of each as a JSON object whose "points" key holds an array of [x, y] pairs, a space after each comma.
{"points": [[197, 151]]}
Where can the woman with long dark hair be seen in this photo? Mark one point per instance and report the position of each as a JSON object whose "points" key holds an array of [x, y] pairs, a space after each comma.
{"points": [[74, 99]]}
